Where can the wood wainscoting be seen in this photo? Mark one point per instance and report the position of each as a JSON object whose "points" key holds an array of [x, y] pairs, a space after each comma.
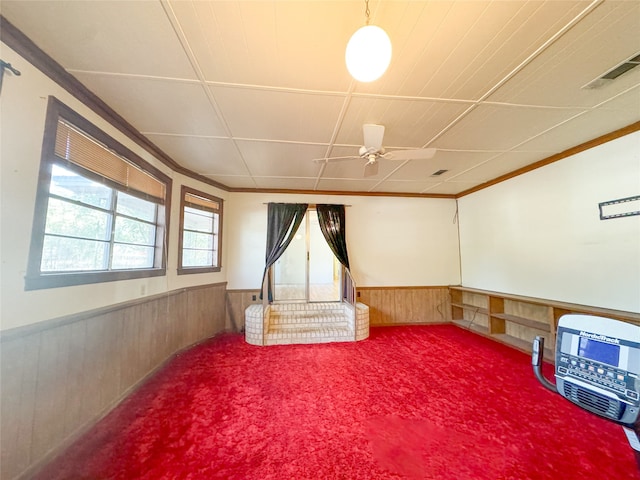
{"points": [[59, 377], [406, 305], [387, 305], [237, 303]]}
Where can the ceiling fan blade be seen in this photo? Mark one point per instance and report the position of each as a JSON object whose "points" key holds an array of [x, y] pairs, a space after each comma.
{"points": [[371, 169], [373, 135], [416, 154], [335, 159]]}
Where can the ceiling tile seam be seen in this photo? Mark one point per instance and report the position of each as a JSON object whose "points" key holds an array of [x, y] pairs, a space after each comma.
{"points": [[495, 52], [531, 106], [186, 135], [284, 142], [173, 20], [426, 46], [549, 63], [189, 81], [542, 48], [389, 175], [412, 98], [453, 177], [619, 94], [551, 128], [514, 149], [585, 111], [513, 72], [451, 124], [334, 134], [454, 48], [273, 88], [443, 21]]}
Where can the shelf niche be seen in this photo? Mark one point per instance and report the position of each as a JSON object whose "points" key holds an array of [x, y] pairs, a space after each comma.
{"points": [[516, 320]]}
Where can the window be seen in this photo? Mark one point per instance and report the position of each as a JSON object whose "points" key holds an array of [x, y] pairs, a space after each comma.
{"points": [[200, 225], [101, 211]]}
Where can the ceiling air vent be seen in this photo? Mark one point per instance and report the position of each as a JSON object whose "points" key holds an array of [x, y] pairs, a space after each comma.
{"points": [[438, 173], [614, 73]]}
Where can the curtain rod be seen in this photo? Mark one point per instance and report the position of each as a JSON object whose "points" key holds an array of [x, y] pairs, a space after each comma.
{"points": [[310, 204]]}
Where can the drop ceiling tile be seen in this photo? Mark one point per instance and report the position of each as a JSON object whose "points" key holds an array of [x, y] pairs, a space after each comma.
{"points": [[500, 165], [498, 127], [453, 162], [282, 44], [157, 106], [346, 185], [450, 188], [402, 186], [234, 181], [278, 115], [408, 123], [203, 155], [610, 116], [274, 159], [460, 50], [609, 35], [139, 37], [285, 183]]}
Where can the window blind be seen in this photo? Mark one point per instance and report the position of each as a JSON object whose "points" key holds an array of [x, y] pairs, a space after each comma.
{"points": [[78, 148], [195, 201]]}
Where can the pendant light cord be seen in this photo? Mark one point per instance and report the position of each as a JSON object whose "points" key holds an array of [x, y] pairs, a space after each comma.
{"points": [[367, 12]]}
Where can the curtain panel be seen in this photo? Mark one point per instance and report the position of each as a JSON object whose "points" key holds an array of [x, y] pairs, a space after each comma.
{"points": [[283, 220], [332, 224]]}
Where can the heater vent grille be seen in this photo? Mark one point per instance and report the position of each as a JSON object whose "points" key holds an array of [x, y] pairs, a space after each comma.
{"points": [[615, 72], [594, 402]]}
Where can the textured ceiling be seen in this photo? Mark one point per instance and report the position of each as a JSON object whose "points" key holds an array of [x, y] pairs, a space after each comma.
{"points": [[249, 93]]}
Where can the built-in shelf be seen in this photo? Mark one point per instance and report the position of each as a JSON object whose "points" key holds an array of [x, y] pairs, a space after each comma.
{"points": [[527, 322], [516, 320], [467, 325]]}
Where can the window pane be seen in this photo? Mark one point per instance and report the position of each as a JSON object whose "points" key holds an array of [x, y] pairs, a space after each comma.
{"points": [[136, 207], [131, 256], [68, 184], [198, 220], [133, 231], [64, 218], [216, 223], [197, 258], [202, 241], [70, 254]]}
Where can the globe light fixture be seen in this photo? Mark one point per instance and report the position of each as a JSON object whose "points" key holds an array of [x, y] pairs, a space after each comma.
{"points": [[368, 52]]}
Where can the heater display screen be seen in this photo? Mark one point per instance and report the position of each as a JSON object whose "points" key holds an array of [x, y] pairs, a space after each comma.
{"points": [[599, 351]]}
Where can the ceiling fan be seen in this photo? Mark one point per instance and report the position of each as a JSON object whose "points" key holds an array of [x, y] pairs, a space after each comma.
{"points": [[372, 151]]}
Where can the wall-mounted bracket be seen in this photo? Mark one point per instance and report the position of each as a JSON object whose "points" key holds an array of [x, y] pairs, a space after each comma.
{"points": [[7, 66], [622, 207]]}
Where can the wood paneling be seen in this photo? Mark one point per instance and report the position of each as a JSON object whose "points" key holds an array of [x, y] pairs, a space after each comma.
{"points": [[237, 303], [60, 376], [406, 305]]}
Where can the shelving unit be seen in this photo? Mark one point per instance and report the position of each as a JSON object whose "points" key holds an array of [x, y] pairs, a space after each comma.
{"points": [[516, 320]]}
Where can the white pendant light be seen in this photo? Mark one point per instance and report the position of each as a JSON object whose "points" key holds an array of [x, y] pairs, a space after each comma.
{"points": [[368, 52]]}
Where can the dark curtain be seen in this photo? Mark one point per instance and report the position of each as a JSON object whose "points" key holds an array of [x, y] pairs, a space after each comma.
{"points": [[283, 222], [332, 224]]}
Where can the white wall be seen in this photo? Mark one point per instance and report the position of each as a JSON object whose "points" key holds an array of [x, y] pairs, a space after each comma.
{"points": [[22, 116], [540, 235], [391, 241]]}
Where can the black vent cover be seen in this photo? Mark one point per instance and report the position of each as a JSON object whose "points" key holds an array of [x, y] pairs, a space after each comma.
{"points": [[594, 402], [615, 72]]}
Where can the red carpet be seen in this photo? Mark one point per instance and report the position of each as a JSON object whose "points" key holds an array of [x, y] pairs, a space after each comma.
{"points": [[433, 402]]}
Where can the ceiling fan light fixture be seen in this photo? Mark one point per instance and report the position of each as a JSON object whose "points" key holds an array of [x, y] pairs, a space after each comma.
{"points": [[368, 53]]}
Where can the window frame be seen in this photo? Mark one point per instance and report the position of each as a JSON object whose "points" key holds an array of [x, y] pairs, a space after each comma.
{"points": [[218, 258], [36, 279]]}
